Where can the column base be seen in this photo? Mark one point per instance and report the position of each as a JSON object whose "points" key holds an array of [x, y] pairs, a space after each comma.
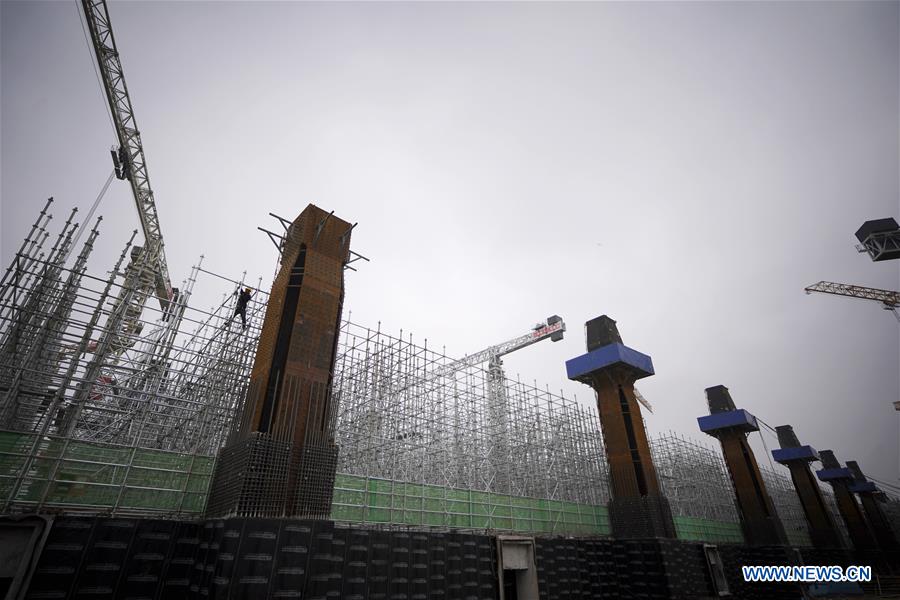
{"points": [[644, 517], [262, 477]]}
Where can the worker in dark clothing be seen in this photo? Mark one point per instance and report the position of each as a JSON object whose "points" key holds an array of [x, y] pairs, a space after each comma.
{"points": [[241, 308]]}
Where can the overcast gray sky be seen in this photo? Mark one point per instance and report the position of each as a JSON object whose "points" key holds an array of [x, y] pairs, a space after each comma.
{"points": [[686, 168]]}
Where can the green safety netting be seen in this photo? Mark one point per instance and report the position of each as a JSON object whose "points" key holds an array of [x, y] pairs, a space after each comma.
{"points": [[362, 500], [90, 475], [102, 476], [706, 530]]}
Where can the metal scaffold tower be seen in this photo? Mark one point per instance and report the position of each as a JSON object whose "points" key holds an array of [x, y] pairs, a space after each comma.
{"points": [[409, 413], [693, 478], [38, 298], [78, 412]]}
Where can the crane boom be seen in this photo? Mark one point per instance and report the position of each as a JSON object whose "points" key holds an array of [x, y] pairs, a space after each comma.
{"points": [[130, 161], [552, 328], [640, 398], [887, 297], [890, 300]]}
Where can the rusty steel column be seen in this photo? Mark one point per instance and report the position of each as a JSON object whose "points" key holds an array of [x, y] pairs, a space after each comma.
{"points": [[822, 529], [871, 498], [280, 458], [841, 479], [759, 521], [637, 508]]}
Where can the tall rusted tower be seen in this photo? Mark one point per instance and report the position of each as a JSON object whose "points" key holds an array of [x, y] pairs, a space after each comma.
{"points": [[730, 426], [822, 530], [870, 497], [637, 508], [280, 458], [841, 479]]}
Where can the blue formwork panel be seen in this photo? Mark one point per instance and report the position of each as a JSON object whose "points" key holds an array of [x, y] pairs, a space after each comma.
{"points": [[582, 367], [862, 487], [738, 419], [832, 474], [786, 455]]}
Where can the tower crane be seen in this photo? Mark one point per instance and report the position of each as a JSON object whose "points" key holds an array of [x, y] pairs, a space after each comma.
{"points": [[496, 448], [147, 272], [554, 328], [889, 300], [880, 239]]}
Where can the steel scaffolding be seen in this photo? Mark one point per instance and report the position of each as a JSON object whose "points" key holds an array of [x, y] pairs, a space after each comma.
{"points": [[69, 375], [173, 388], [101, 411], [694, 478], [399, 421]]}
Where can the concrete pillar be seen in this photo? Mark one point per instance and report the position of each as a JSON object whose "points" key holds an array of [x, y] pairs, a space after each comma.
{"points": [[871, 497], [280, 458], [637, 508], [730, 426], [840, 479], [822, 529]]}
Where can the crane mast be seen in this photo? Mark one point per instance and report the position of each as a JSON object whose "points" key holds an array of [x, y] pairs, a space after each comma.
{"points": [[151, 268], [497, 449]]}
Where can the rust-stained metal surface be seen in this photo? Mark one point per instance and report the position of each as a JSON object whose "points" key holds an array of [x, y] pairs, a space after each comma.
{"points": [[280, 458]]}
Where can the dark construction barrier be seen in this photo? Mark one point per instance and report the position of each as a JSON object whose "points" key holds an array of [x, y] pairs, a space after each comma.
{"points": [[258, 558], [649, 569], [240, 558]]}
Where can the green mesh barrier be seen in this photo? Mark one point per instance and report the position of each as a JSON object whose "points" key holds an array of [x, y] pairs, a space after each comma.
{"points": [[102, 477], [361, 500], [115, 478], [705, 530]]}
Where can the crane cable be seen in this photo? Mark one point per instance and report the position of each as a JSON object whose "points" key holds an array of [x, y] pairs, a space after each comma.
{"points": [[763, 440], [94, 206]]}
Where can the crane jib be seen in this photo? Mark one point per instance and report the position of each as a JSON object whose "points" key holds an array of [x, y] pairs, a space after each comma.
{"points": [[548, 329], [129, 162]]}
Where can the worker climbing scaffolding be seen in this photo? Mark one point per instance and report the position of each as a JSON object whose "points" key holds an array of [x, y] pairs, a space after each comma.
{"points": [[241, 307]]}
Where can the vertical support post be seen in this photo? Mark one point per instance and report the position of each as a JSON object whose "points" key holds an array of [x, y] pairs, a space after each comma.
{"points": [[281, 458], [822, 530], [870, 497], [730, 426], [637, 507], [840, 479]]}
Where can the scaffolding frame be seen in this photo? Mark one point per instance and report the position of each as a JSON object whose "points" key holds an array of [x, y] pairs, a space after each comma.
{"points": [[694, 478], [403, 416], [72, 378], [101, 412]]}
